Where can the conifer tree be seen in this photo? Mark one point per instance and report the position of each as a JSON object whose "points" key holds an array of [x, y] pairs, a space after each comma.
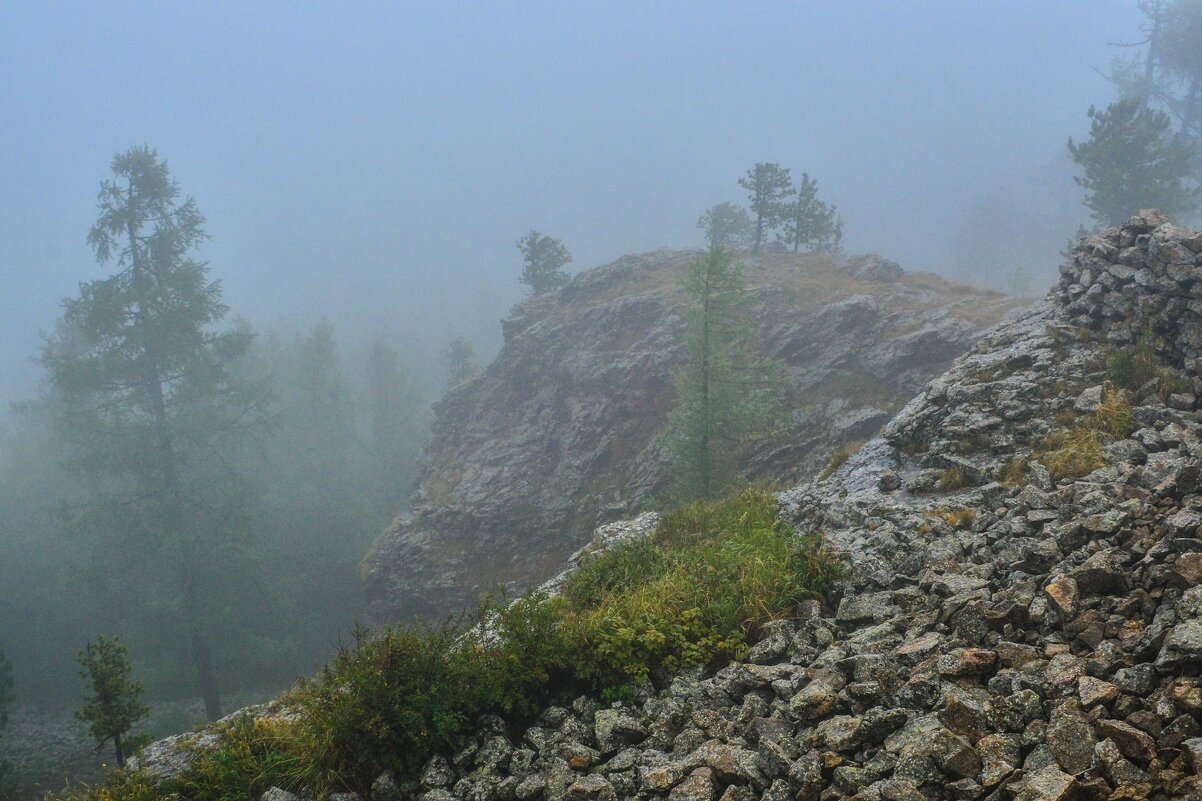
{"points": [[725, 395], [1132, 161], [812, 223], [150, 405], [769, 187], [727, 226], [114, 705], [543, 260], [460, 358], [1166, 74]]}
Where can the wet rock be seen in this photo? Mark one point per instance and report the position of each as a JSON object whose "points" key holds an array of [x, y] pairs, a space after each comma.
{"points": [[614, 728], [1047, 784], [1133, 743], [1182, 647], [1095, 691], [1000, 754], [1062, 592], [590, 788], [278, 794], [1071, 742], [700, 785], [967, 662], [729, 763]]}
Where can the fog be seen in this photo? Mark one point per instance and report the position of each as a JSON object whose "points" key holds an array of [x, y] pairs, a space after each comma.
{"points": [[366, 171], [375, 163]]}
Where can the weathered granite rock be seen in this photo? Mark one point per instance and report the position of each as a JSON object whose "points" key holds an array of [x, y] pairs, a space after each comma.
{"points": [[561, 433]]}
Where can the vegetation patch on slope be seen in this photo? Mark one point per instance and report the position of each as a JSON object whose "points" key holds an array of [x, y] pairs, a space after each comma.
{"points": [[698, 591]]}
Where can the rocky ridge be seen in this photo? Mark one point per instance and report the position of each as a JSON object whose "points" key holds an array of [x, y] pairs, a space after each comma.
{"points": [[1004, 636], [559, 435]]}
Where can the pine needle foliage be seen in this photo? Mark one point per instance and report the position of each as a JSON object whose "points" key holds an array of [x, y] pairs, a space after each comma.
{"points": [[114, 705], [151, 405], [1133, 161]]}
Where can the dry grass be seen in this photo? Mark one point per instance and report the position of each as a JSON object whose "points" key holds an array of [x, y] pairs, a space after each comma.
{"points": [[1078, 450], [952, 479], [840, 457], [1014, 472]]}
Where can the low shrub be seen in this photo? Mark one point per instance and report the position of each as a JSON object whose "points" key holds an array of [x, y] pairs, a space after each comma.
{"points": [[397, 697], [253, 755], [1134, 366], [711, 576], [959, 518], [1013, 472]]}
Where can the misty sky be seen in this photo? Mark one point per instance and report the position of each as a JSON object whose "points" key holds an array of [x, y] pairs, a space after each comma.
{"points": [[375, 162]]}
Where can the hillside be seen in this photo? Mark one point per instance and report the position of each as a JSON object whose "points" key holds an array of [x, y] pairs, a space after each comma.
{"points": [[559, 434], [1020, 615]]}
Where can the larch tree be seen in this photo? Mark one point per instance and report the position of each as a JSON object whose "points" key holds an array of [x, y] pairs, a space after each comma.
{"points": [[151, 407], [726, 396], [543, 260], [768, 190], [1133, 161]]}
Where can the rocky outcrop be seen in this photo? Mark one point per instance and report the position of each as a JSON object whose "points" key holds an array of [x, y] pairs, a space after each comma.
{"points": [[559, 434], [1007, 635]]}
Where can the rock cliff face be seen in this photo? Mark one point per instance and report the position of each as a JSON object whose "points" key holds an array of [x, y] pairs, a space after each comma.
{"points": [[560, 433], [1011, 634]]}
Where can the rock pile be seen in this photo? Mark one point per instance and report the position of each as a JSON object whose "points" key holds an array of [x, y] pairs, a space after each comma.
{"points": [[1002, 635]]}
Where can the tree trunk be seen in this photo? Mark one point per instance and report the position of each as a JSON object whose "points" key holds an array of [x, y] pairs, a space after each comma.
{"points": [[203, 662], [706, 422], [120, 750], [759, 233], [206, 681], [1189, 110]]}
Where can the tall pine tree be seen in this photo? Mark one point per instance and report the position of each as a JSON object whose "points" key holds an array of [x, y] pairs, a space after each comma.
{"points": [[151, 406], [768, 190]]}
